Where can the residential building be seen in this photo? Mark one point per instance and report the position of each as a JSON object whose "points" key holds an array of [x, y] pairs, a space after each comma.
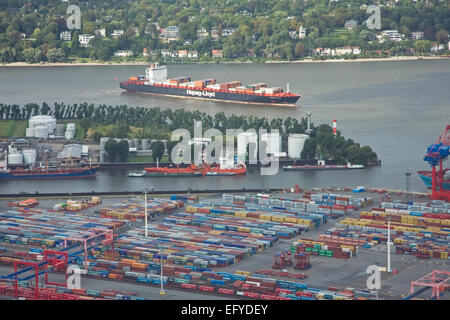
{"points": [[228, 32], [193, 54], [217, 53], [101, 33], [435, 47], [117, 33], [392, 35], [302, 32], [182, 53], [202, 33], [293, 34], [417, 35], [214, 33], [84, 39], [65, 36], [188, 42], [147, 53], [342, 51], [350, 24], [170, 33], [250, 53], [123, 53], [165, 53]]}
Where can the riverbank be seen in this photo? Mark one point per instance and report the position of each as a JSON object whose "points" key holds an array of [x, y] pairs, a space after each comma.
{"points": [[144, 63]]}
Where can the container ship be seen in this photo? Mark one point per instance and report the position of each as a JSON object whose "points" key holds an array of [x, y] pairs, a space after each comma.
{"points": [[155, 82], [427, 178], [322, 166]]}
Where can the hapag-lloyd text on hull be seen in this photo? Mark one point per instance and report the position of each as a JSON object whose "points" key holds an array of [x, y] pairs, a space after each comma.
{"points": [[207, 94]]}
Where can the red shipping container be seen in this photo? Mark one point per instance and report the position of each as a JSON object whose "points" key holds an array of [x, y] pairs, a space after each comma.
{"points": [[189, 286], [226, 291], [251, 295], [205, 288]]}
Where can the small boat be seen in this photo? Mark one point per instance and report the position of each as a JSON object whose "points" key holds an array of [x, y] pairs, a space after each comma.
{"points": [[137, 173]]}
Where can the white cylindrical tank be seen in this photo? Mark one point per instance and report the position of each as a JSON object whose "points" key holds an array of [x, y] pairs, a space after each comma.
{"points": [[30, 132], [295, 145], [43, 121], [103, 141], [243, 140], [41, 132], [273, 141], [136, 143], [15, 158], [144, 143], [69, 135], [29, 156]]}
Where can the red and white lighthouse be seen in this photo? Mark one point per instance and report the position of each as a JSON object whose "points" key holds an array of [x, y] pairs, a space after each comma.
{"points": [[334, 127]]}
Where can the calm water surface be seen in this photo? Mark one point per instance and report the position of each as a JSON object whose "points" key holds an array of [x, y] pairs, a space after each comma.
{"points": [[397, 108]]}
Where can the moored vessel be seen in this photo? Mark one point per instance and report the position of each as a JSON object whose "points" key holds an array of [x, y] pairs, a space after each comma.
{"points": [[322, 166]]}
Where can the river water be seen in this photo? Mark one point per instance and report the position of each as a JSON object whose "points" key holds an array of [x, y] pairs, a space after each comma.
{"points": [[396, 107]]}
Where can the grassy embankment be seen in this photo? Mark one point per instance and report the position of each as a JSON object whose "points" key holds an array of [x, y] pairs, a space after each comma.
{"points": [[13, 128]]}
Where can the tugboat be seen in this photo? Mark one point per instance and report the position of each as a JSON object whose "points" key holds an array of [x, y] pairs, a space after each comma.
{"points": [[225, 168]]}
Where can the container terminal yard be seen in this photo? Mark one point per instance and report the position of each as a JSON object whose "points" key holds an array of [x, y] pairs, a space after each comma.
{"points": [[288, 245]]}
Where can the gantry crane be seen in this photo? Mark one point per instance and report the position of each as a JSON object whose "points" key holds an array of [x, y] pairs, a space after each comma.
{"points": [[436, 153]]}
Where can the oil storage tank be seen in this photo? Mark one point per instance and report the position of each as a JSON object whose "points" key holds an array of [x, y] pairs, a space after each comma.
{"points": [[15, 158], [273, 141], [243, 141], [41, 132], [29, 156], [295, 145]]}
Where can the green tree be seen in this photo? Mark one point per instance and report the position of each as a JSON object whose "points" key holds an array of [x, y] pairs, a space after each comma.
{"points": [[422, 46], [55, 55], [170, 145], [157, 150], [96, 136], [300, 49], [442, 36], [123, 150], [112, 150], [32, 55]]}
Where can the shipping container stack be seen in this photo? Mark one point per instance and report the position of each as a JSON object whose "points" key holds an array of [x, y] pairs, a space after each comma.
{"points": [[331, 205], [239, 225], [49, 229], [48, 292], [414, 229], [324, 248], [134, 209]]}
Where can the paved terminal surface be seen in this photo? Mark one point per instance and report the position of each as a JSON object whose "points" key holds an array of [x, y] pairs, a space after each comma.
{"points": [[325, 272]]}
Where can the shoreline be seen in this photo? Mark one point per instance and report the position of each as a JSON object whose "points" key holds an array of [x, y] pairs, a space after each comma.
{"points": [[142, 63]]}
